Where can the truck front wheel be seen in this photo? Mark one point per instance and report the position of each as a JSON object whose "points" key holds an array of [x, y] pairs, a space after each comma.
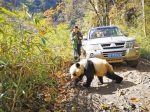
{"points": [[132, 63]]}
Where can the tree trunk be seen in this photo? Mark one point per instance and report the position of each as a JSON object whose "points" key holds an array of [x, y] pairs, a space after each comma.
{"points": [[144, 20]]}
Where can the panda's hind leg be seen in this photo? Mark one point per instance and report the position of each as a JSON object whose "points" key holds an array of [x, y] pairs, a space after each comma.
{"points": [[87, 83], [113, 76], [100, 79]]}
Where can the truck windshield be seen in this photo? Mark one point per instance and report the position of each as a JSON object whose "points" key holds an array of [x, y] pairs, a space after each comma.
{"points": [[105, 32]]}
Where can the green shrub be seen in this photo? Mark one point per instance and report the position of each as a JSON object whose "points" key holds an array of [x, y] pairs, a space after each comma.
{"points": [[33, 54]]}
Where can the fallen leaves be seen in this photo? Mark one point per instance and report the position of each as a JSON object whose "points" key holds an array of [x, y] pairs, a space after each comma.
{"points": [[47, 99], [41, 32], [126, 75], [123, 92], [124, 99], [72, 90], [105, 107], [134, 99], [30, 105], [73, 109], [137, 82], [43, 110]]}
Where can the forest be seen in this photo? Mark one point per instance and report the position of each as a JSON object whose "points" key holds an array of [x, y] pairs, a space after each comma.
{"points": [[33, 5], [36, 50]]}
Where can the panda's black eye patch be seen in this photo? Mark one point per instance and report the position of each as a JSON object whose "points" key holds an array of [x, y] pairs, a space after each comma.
{"points": [[77, 65], [74, 74]]}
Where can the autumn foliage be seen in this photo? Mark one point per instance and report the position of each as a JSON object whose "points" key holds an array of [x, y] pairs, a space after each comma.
{"points": [[34, 59]]}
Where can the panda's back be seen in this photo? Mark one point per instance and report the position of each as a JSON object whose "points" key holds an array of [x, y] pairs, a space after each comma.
{"points": [[83, 62], [100, 66]]}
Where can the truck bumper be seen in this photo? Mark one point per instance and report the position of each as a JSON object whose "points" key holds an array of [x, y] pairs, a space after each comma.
{"points": [[127, 54]]}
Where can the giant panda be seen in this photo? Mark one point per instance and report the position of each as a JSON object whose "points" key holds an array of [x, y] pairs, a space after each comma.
{"points": [[91, 67]]}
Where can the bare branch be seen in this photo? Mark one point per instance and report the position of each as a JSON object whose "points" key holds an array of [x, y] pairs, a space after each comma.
{"points": [[92, 4]]}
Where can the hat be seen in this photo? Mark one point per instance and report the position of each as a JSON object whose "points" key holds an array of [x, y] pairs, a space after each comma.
{"points": [[75, 26]]}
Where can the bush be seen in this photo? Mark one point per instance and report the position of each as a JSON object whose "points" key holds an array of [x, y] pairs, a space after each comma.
{"points": [[33, 56]]}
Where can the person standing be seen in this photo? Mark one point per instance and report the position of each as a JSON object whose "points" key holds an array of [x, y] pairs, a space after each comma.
{"points": [[76, 38]]}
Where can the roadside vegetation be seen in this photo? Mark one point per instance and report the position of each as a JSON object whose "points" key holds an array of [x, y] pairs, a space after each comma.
{"points": [[33, 56], [36, 51]]}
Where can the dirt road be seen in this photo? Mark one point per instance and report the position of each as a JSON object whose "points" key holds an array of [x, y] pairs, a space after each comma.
{"points": [[132, 95]]}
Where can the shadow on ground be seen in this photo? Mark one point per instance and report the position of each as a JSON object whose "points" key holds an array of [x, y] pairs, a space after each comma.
{"points": [[108, 88], [143, 66]]}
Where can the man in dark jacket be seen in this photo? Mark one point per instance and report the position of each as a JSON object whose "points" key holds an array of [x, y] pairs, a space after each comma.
{"points": [[76, 38]]}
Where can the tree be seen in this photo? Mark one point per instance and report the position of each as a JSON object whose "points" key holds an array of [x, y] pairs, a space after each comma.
{"points": [[143, 16]]}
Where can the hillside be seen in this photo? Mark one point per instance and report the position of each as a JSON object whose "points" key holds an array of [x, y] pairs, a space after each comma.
{"points": [[34, 5]]}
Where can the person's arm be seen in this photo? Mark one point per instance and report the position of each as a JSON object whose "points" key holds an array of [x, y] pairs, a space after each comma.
{"points": [[72, 36], [80, 35]]}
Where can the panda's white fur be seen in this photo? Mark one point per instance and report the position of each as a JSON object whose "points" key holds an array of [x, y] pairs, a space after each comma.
{"points": [[91, 67], [101, 67]]}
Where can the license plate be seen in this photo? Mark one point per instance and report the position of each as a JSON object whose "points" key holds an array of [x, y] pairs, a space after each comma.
{"points": [[113, 55]]}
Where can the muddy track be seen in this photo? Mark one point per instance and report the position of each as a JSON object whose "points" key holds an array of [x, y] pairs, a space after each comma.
{"points": [[132, 95]]}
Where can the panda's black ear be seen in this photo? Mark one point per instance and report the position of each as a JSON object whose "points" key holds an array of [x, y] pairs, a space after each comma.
{"points": [[77, 65]]}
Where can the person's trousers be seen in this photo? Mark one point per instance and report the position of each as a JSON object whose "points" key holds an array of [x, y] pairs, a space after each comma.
{"points": [[77, 52]]}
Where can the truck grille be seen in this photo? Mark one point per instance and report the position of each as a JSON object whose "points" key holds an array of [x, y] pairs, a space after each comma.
{"points": [[112, 45], [105, 54]]}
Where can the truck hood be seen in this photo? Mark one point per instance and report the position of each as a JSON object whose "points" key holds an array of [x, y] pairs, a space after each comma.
{"points": [[104, 40]]}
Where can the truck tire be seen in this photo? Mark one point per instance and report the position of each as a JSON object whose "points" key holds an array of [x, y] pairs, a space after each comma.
{"points": [[132, 63]]}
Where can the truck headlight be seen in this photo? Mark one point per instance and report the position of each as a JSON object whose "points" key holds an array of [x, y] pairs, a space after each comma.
{"points": [[136, 44], [129, 45], [93, 47]]}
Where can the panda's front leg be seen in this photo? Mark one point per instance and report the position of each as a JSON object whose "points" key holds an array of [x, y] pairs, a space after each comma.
{"points": [[77, 80], [89, 80]]}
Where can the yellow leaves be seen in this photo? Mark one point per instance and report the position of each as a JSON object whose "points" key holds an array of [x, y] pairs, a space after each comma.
{"points": [[72, 90], [47, 50], [63, 91], [62, 98], [47, 92], [137, 82], [123, 92], [121, 107], [113, 110], [130, 5], [47, 99], [43, 22], [104, 107], [26, 68], [41, 32], [5, 11], [58, 74], [60, 6], [49, 13], [73, 109]]}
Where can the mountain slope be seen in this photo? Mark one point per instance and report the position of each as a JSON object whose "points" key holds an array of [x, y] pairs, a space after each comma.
{"points": [[34, 5]]}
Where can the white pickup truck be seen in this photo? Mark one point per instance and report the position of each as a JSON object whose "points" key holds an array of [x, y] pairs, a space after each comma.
{"points": [[110, 43]]}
